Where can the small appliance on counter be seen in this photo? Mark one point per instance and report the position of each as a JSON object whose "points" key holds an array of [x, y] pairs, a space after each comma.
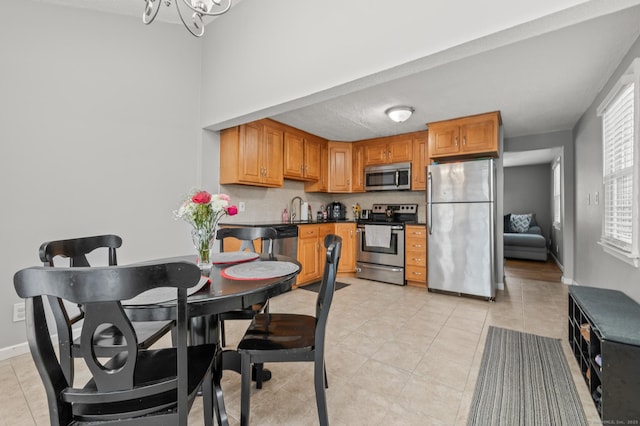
{"points": [[336, 211], [365, 214]]}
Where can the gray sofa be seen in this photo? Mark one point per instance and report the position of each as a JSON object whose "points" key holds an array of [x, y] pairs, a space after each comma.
{"points": [[528, 245]]}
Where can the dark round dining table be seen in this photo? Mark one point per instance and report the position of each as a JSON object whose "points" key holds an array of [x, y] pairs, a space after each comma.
{"points": [[219, 296], [222, 294]]}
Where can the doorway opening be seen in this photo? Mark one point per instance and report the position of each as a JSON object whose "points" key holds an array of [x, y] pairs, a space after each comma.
{"points": [[534, 187]]}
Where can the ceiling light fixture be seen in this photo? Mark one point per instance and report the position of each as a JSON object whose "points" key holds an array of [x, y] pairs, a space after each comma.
{"points": [[399, 113], [199, 8]]}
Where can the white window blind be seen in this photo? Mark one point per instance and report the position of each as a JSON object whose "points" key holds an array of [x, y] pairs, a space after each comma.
{"points": [[556, 194], [620, 156], [618, 134]]}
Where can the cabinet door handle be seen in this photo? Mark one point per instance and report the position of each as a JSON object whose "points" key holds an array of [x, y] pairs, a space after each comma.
{"points": [[456, 141], [417, 273], [417, 259], [464, 140]]}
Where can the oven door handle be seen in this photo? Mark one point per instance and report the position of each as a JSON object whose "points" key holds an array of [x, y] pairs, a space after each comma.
{"points": [[384, 268], [394, 228]]}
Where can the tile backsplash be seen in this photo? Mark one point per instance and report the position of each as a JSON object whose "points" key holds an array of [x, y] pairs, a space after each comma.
{"points": [[265, 204]]}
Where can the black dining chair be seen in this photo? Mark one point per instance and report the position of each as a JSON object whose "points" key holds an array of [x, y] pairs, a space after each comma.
{"points": [[136, 386], [283, 337], [247, 236], [109, 340]]}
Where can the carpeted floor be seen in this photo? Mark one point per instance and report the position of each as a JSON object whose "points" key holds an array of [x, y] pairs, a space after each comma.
{"points": [[524, 379], [316, 286]]}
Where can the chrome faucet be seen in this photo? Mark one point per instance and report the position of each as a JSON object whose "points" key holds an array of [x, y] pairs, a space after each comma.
{"points": [[292, 214]]}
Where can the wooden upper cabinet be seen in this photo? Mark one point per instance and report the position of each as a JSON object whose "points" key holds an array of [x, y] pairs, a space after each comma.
{"points": [[301, 156], [293, 155], [322, 183], [471, 136], [393, 149], [400, 149], [251, 154], [339, 166], [357, 167], [312, 153], [420, 161], [272, 156]]}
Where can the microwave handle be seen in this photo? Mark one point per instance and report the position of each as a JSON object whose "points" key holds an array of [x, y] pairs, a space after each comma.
{"points": [[429, 204], [397, 178]]}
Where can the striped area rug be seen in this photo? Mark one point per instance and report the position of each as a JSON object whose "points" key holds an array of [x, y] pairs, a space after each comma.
{"points": [[524, 379]]}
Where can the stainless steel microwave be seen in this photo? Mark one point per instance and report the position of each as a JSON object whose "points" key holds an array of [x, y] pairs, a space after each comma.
{"points": [[388, 177]]}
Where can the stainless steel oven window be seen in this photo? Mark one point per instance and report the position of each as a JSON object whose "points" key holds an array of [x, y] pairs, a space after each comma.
{"points": [[394, 255], [391, 250]]}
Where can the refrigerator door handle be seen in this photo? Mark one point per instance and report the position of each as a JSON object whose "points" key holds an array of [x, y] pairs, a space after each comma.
{"points": [[429, 203]]}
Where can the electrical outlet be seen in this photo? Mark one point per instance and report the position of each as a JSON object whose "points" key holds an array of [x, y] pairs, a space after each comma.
{"points": [[18, 312], [241, 206]]}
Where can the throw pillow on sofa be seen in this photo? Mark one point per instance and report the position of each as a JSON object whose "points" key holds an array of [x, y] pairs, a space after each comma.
{"points": [[520, 222], [507, 223]]}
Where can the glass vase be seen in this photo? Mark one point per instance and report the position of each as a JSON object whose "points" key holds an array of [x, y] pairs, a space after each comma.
{"points": [[203, 242]]}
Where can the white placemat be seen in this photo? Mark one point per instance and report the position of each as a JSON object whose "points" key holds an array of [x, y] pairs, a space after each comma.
{"points": [[233, 257], [163, 294], [259, 270]]}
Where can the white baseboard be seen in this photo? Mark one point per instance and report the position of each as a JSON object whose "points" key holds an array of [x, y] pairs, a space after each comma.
{"points": [[15, 350]]}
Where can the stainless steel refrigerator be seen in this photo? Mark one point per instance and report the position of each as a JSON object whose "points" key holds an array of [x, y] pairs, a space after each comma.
{"points": [[461, 226]]}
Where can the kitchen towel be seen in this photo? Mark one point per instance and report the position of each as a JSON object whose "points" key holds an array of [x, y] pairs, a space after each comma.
{"points": [[377, 235]]}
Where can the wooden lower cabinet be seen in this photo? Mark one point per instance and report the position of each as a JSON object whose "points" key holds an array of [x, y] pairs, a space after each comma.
{"points": [[347, 231], [308, 254], [311, 251], [416, 255]]}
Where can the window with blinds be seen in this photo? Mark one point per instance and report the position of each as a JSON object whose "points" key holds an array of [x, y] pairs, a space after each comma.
{"points": [[620, 164]]}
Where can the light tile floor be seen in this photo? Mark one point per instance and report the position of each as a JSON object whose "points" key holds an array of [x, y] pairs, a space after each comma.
{"points": [[397, 356]]}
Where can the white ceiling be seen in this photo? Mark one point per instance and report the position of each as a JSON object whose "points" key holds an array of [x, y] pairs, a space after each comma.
{"points": [[540, 84]]}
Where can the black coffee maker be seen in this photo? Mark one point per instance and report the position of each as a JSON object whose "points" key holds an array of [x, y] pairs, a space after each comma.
{"points": [[336, 211]]}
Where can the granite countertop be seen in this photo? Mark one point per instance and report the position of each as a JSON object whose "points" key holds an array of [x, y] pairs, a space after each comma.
{"points": [[280, 223], [300, 222]]}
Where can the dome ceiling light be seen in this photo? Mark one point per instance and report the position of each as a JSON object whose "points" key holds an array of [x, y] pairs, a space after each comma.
{"points": [[399, 113]]}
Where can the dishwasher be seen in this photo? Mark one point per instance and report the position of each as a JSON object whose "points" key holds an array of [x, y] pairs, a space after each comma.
{"points": [[286, 241]]}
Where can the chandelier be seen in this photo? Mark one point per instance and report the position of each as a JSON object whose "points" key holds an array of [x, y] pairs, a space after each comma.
{"points": [[198, 8]]}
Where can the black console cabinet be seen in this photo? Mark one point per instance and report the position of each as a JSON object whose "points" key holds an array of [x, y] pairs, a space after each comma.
{"points": [[604, 333]]}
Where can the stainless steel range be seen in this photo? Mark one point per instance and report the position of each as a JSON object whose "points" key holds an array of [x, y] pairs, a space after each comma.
{"points": [[380, 239]]}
